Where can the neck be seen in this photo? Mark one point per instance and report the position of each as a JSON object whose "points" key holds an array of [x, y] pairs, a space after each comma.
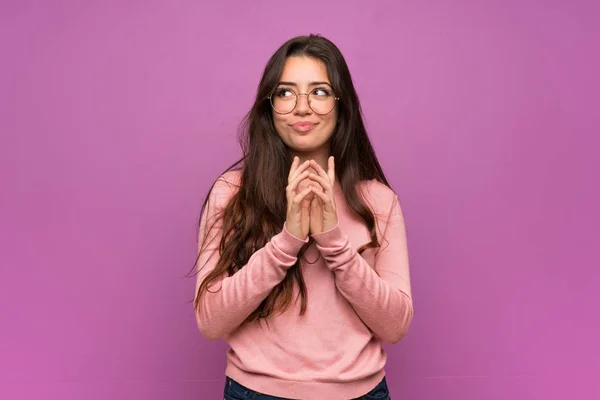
{"points": [[320, 157]]}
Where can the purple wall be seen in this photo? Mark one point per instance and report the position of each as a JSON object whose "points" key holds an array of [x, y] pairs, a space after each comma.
{"points": [[116, 116]]}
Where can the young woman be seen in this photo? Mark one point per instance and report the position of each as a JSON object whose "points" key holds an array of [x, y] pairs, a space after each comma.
{"points": [[303, 264]]}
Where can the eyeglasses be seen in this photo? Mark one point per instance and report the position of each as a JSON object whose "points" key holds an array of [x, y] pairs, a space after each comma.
{"points": [[321, 100]]}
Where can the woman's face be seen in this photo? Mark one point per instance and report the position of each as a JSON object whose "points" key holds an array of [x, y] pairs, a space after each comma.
{"points": [[305, 129]]}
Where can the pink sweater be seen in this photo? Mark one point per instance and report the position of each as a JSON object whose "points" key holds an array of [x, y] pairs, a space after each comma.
{"points": [[354, 302]]}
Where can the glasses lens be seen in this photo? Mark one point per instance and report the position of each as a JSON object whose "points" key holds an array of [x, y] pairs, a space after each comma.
{"points": [[283, 100], [321, 100]]}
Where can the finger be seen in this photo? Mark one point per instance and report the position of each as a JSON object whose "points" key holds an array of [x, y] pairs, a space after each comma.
{"points": [[297, 200], [325, 200], [292, 189], [293, 186], [318, 168], [305, 219], [306, 209], [293, 167], [315, 206], [331, 170], [323, 182], [301, 168]]}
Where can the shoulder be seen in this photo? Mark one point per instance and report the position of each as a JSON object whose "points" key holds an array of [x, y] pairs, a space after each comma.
{"points": [[229, 179], [378, 196], [225, 187]]}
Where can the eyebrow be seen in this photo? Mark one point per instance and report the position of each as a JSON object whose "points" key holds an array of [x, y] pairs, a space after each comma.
{"points": [[314, 83]]}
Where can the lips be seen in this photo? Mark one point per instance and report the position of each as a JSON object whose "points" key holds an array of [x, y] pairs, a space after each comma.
{"points": [[303, 126]]}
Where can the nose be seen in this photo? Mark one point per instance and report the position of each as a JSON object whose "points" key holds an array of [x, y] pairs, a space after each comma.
{"points": [[302, 107]]}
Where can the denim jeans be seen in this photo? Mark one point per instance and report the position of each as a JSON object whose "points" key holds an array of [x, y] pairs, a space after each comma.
{"points": [[235, 391]]}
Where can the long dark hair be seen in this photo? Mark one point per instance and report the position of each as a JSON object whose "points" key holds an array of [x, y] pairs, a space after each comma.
{"points": [[256, 212]]}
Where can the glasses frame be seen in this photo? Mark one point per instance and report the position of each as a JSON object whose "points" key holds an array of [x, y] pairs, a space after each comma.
{"points": [[270, 98]]}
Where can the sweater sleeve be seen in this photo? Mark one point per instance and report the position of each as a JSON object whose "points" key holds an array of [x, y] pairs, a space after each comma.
{"points": [[381, 296], [229, 300]]}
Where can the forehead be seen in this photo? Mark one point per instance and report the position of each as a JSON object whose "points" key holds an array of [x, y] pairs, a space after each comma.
{"points": [[303, 70]]}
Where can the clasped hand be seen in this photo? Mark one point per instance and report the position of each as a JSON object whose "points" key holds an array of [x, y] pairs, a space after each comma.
{"points": [[311, 205]]}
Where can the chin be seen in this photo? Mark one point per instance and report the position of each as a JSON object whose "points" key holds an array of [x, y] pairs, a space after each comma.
{"points": [[309, 152], [302, 149], [306, 144]]}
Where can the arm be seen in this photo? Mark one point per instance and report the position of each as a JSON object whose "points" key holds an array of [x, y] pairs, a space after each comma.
{"points": [[231, 299], [381, 295]]}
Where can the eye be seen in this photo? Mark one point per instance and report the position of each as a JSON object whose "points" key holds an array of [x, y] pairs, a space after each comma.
{"points": [[321, 92], [283, 92]]}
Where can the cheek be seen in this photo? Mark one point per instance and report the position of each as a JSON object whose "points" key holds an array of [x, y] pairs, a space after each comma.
{"points": [[334, 116], [331, 123], [279, 122]]}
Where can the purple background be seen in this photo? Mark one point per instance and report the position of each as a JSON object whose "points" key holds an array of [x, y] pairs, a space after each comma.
{"points": [[116, 116]]}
